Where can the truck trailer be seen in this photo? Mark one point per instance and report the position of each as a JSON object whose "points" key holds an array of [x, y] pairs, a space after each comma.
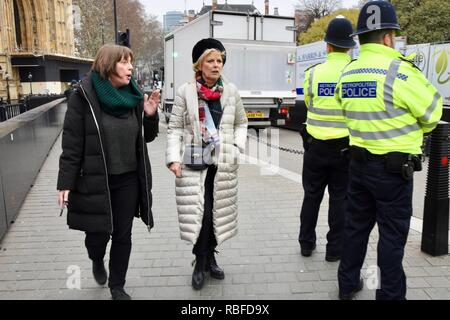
{"points": [[260, 61]]}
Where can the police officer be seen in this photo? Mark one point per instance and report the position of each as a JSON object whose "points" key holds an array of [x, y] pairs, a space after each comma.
{"points": [[324, 137], [388, 105]]}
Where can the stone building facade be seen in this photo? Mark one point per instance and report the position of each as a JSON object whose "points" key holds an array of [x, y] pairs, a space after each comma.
{"points": [[37, 52]]}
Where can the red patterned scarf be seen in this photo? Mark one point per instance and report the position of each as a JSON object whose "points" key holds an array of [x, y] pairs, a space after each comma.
{"points": [[206, 94]]}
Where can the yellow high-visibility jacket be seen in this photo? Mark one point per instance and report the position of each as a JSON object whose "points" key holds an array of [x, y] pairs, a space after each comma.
{"points": [[325, 119], [388, 103]]}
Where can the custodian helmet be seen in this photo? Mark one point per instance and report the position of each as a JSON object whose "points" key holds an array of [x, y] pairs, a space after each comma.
{"points": [[339, 33], [376, 15]]}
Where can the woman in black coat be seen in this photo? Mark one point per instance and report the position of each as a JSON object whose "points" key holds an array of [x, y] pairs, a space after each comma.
{"points": [[104, 171]]}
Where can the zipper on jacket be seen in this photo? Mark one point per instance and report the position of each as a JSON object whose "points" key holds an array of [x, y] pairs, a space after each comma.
{"points": [[145, 172], [104, 157]]}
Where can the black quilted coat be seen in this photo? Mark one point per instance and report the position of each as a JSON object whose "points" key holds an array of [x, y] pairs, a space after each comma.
{"points": [[83, 167]]}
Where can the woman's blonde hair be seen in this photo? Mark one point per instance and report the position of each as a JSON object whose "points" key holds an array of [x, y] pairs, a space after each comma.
{"points": [[108, 56], [197, 66]]}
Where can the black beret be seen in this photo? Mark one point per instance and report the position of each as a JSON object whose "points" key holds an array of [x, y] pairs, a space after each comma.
{"points": [[204, 45]]}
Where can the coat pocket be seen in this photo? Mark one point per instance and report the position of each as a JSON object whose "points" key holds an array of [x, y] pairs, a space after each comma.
{"points": [[81, 185], [186, 119], [236, 154]]}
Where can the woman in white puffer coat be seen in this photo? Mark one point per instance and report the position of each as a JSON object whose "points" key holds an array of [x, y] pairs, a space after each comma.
{"points": [[207, 198]]}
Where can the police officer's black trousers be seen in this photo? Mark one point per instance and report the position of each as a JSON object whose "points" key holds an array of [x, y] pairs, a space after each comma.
{"points": [[376, 196], [206, 242], [323, 165], [124, 190]]}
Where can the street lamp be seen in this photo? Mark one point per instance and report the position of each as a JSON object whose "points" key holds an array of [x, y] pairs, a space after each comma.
{"points": [[115, 22], [30, 77], [103, 32], [8, 99]]}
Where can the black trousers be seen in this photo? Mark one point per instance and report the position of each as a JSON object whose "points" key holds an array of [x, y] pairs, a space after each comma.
{"points": [[124, 190], [206, 242], [323, 165], [376, 196]]}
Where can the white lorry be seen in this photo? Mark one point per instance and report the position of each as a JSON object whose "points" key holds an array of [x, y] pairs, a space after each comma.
{"points": [[260, 61]]}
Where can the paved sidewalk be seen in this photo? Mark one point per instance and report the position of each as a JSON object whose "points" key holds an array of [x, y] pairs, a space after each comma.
{"points": [[262, 262]]}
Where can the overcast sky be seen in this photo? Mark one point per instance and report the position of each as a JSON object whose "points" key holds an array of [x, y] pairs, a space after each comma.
{"points": [[285, 7]]}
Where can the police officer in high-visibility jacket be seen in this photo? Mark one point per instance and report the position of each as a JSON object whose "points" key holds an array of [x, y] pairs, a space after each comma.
{"points": [[388, 106], [324, 137]]}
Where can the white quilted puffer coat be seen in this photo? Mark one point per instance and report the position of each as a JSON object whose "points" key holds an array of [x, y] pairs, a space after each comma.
{"points": [[184, 128]]}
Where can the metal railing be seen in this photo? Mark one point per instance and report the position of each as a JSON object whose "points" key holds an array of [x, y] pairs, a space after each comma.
{"points": [[41, 99], [8, 111]]}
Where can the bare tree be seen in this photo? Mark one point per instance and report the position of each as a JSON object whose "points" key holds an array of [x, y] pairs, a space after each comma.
{"points": [[97, 27], [319, 8], [361, 3], [151, 57]]}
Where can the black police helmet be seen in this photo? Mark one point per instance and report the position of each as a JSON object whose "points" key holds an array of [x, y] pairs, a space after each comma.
{"points": [[204, 45], [377, 15], [338, 33]]}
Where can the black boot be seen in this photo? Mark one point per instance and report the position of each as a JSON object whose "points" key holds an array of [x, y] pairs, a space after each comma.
{"points": [[119, 293], [215, 271], [351, 294], [198, 277], [99, 272]]}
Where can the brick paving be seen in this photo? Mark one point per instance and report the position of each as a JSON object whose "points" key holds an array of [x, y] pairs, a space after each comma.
{"points": [[262, 262]]}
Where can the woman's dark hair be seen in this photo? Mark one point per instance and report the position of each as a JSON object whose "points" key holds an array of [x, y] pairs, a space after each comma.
{"points": [[108, 56]]}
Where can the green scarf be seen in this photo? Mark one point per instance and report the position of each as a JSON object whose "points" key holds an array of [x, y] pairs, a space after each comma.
{"points": [[116, 101]]}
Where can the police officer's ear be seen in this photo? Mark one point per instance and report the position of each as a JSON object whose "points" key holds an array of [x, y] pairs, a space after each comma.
{"points": [[389, 39]]}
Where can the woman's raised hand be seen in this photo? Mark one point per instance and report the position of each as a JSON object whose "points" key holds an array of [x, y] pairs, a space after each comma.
{"points": [[151, 102]]}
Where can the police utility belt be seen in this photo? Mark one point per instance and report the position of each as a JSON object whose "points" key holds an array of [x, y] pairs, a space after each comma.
{"points": [[395, 162]]}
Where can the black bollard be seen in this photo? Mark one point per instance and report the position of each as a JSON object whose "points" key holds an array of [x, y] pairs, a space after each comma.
{"points": [[435, 213], [2, 113]]}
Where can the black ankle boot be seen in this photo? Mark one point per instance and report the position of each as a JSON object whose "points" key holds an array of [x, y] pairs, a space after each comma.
{"points": [[119, 293], [214, 270], [99, 272], [198, 277]]}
